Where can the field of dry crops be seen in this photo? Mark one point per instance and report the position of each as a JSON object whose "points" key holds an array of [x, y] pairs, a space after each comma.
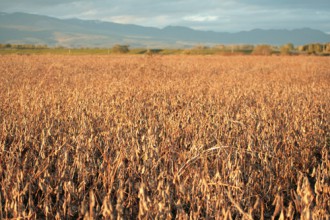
{"points": [[164, 137]]}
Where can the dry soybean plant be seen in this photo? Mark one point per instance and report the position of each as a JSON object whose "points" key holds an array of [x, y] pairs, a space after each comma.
{"points": [[164, 137]]}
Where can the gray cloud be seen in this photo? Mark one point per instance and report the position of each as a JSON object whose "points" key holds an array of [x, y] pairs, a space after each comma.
{"points": [[224, 15], [308, 4]]}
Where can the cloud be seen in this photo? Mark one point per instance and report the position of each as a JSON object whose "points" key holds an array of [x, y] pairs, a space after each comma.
{"points": [[218, 15], [161, 21], [298, 4], [37, 3], [200, 18]]}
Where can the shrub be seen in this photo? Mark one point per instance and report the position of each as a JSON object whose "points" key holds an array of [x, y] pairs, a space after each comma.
{"points": [[120, 48]]}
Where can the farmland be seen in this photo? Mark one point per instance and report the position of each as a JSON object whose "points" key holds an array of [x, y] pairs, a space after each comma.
{"points": [[162, 137]]}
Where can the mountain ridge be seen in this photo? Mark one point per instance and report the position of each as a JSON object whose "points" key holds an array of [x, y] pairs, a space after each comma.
{"points": [[23, 28]]}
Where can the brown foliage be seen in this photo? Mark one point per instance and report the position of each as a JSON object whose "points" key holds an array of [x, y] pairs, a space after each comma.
{"points": [[164, 137]]}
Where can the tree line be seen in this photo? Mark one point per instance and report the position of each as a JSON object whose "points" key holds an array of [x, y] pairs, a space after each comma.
{"points": [[264, 49]]}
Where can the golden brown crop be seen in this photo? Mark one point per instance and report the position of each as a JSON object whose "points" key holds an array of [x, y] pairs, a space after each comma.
{"points": [[163, 137]]}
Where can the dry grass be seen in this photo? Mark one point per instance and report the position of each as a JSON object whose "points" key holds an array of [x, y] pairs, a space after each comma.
{"points": [[199, 137]]}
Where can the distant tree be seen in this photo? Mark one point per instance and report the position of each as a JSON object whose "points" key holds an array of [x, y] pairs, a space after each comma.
{"points": [[290, 46], [315, 48], [287, 49], [326, 48], [262, 50], [302, 48], [120, 48], [318, 48], [310, 48]]}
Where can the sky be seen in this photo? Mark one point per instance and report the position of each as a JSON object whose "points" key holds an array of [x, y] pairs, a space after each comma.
{"points": [[215, 15]]}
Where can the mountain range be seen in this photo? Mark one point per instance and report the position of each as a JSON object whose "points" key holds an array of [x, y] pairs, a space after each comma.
{"points": [[23, 28]]}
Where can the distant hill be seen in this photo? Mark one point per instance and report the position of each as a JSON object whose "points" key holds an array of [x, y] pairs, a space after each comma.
{"points": [[22, 28]]}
